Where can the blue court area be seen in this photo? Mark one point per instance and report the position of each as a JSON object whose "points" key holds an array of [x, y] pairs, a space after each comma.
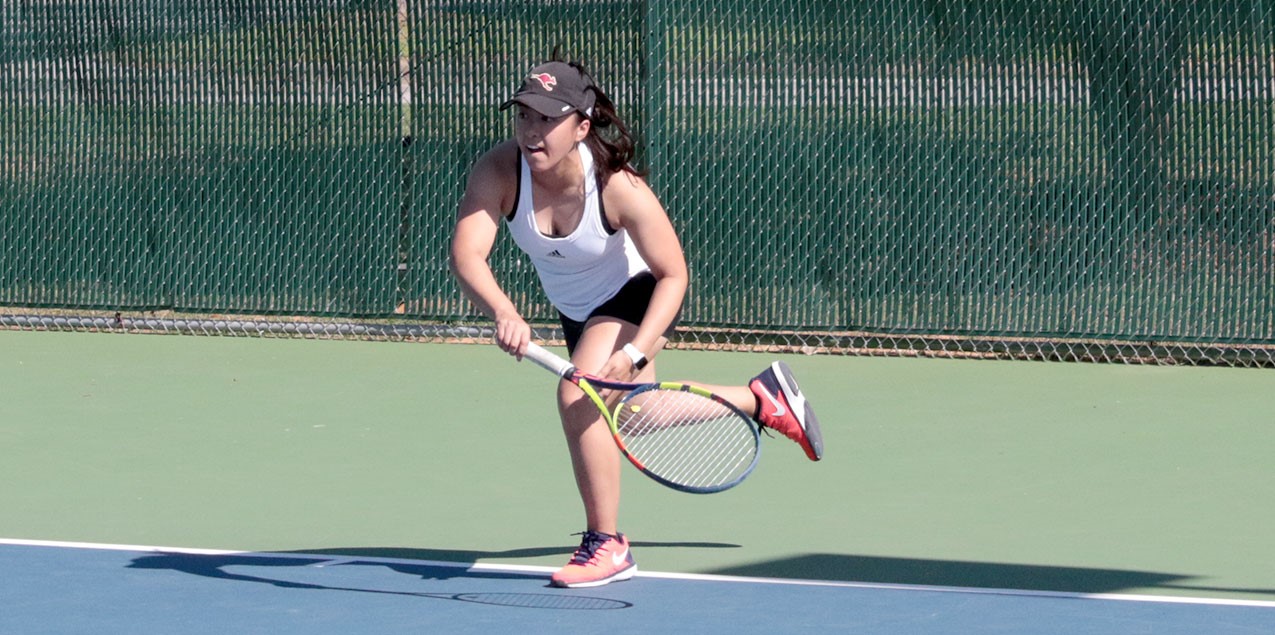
{"points": [[62, 588]]}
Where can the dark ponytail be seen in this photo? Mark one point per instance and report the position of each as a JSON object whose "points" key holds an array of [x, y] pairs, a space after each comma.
{"points": [[609, 140]]}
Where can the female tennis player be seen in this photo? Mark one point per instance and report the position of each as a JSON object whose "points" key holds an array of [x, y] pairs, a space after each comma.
{"points": [[612, 265]]}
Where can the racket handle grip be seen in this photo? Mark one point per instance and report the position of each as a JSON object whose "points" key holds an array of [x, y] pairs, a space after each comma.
{"points": [[549, 361]]}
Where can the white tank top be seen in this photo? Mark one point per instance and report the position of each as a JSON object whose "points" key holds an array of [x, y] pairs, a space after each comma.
{"points": [[584, 269]]}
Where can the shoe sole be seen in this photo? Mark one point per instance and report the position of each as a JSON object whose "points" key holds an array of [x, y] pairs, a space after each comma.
{"points": [[809, 422], [618, 576]]}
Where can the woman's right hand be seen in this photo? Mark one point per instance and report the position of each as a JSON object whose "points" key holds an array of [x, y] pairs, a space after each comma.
{"points": [[512, 334]]}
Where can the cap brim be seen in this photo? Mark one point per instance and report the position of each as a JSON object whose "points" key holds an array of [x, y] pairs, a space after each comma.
{"points": [[546, 106]]}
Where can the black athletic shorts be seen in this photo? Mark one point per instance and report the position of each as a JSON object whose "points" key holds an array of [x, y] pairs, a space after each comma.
{"points": [[628, 304]]}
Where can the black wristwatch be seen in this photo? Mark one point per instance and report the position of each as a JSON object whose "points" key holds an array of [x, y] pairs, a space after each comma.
{"points": [[638, 357]]}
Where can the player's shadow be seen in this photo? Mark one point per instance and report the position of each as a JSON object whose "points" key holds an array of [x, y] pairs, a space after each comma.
{"points": [[980, 575], [276, 568], [273, 570]]}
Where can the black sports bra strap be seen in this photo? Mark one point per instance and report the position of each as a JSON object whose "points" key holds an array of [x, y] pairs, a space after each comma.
{"points": [[517, 186]]}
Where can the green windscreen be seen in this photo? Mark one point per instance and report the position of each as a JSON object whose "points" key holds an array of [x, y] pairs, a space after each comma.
{"points": [[1046, 179]]}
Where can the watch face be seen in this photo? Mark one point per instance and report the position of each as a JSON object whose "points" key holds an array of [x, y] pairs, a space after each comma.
{"points": [[638, 357]]}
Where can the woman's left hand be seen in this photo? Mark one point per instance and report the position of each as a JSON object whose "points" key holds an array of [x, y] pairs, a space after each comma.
{"points": [[619, 367]]}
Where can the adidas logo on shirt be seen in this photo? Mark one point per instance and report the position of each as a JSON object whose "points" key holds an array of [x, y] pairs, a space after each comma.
{"points": [[555, 254]]}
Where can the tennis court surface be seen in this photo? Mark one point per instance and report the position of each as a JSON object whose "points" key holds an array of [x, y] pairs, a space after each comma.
{"points": [[355, 487], [84, 588]]}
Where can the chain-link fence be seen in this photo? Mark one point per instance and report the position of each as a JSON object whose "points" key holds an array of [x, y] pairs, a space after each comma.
{"points": [[1063, 179]]}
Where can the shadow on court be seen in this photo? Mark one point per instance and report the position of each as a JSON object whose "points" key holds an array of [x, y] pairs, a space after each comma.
{"points": [[433, 564], [988, 575], [289, 572], [54, 589]]}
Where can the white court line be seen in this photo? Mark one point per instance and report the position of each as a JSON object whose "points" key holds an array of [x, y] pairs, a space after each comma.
{"points": [[328, 560]]}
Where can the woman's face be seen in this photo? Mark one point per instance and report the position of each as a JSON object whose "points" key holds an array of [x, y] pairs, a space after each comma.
{"points": [[544, 141]]}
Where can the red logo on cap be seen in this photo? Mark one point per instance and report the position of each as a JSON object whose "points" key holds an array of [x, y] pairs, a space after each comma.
{"points": [[546, 80]]}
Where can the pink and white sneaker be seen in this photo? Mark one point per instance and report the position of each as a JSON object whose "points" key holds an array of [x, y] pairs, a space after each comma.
{"points": [[601, 559]]}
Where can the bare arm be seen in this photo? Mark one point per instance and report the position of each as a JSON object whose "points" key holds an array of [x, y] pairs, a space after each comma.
{"points": [[489, 191], [631, 205]]}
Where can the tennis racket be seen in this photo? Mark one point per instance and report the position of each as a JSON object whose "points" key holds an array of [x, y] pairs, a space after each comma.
{"points": [[683, 436]]}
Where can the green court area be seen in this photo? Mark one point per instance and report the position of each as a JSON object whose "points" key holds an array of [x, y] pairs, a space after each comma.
{"points": [[1016, 475]]}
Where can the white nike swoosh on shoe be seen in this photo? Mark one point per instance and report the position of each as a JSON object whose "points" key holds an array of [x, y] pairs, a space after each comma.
{"points": [[780, 410], [798, 405], [791, 392], [618, 559]]}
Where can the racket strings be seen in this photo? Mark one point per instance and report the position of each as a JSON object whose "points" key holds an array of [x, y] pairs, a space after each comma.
{"points": [[687, 438]]}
